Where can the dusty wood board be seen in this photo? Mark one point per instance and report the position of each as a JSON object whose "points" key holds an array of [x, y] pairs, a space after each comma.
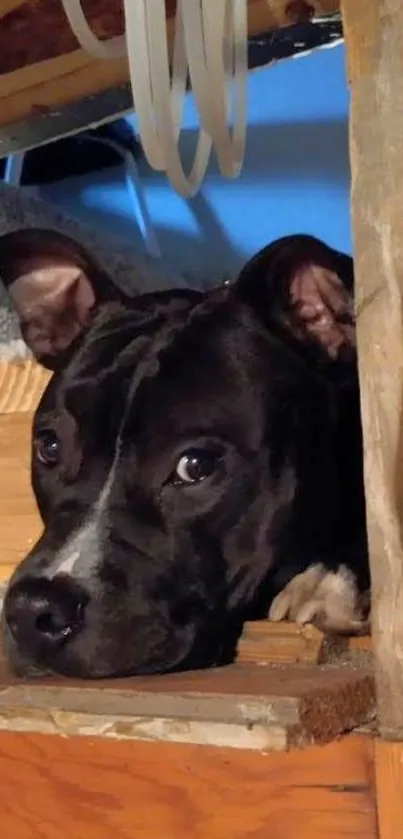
{"points": [[265, 642], [151, 790], [374, 40], [310, 704]]}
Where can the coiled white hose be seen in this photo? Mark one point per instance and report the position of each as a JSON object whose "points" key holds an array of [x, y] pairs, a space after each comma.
{"points": [[211, 44]]}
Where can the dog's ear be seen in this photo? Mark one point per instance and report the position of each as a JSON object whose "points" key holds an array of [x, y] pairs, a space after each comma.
{"points": [[303, 289], [55, 286]]}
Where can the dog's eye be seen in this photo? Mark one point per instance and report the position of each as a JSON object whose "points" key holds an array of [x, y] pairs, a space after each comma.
{"points": [[195, 465], [47, 447]]}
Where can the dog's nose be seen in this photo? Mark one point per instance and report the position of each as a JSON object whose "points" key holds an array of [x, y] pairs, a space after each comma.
{"points": [[42, 614]]}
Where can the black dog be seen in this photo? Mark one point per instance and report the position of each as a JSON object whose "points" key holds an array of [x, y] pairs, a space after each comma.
{"points": [[196, 460]]}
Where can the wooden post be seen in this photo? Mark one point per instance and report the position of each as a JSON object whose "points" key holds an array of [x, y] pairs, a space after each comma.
{"points": [[374, 39]]}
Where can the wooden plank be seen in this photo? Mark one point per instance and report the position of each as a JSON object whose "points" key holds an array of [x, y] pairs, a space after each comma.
{"points": [[20, 524], [266, 642], [43, 72], [102, 789], [21, 386], [374, 39], [59, 81], [389, 785], [302, 705]]}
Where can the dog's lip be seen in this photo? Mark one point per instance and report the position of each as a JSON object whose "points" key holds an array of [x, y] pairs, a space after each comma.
{"points": [[23, 667]]}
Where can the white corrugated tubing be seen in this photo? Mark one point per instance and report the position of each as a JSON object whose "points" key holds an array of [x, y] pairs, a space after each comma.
{"points": [[210, 44]]}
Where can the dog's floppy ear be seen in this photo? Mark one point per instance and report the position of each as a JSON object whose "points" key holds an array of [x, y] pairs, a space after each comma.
{"points": [[302, 288], [55, 286]]}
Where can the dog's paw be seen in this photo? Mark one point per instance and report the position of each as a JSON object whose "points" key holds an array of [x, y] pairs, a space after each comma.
{"points": [[329, 599]]}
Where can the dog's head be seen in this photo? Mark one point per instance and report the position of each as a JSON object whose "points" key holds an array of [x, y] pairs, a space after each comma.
{"points": [[171, 453]]}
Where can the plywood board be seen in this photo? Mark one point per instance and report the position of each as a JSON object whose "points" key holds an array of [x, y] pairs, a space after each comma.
{"points": [[20, 524], [99, 789]]}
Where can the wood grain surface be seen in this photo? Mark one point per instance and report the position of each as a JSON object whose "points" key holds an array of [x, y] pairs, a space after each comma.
{"points": [[20, 523], [266, 642], [308, 704], [21, 386], [86, 788], [374, 40], [389, 786]]}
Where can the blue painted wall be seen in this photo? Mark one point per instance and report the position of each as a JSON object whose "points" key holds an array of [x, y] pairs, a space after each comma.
{"points": [[295, 177]]}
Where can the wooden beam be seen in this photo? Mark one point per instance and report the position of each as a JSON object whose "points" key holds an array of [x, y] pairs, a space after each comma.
{"points": [[374, 39], [389, 785], [101, 788], [42, 68], [242, 705], [33, 32]]}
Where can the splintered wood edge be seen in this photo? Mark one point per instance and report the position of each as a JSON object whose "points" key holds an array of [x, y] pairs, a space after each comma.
{"points": [[266, 642], [21, 385], [276, 711]]}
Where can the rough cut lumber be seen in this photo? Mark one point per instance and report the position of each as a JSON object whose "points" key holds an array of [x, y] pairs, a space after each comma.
{"points": [[266, 642], [245, 706], [374, 38], [41, 66], [102, 788], [389, 786]]}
